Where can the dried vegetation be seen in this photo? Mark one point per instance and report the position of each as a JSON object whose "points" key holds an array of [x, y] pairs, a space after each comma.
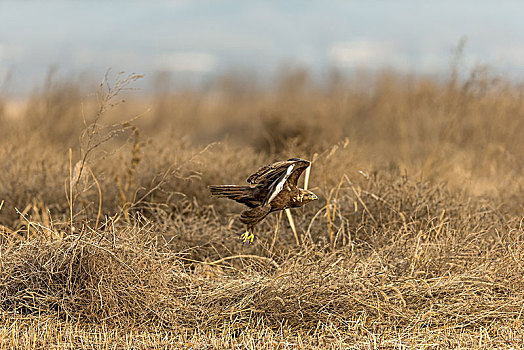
{"points": [[108, 237]]}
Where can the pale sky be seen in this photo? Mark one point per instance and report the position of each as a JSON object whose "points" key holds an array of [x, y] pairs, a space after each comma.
{"points": [[200, 39]]}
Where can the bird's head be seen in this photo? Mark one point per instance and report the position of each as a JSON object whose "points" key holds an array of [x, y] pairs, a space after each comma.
{"points": [[307, 196]]}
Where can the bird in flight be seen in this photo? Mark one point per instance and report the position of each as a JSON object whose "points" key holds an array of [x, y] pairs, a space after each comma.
{"points": [[272, 188]]}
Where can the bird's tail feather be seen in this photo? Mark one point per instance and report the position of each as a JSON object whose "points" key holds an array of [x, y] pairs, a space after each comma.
{"points": [[229, 191]]}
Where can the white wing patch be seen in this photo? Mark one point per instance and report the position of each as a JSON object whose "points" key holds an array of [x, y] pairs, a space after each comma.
{"points": [[280, 184]]}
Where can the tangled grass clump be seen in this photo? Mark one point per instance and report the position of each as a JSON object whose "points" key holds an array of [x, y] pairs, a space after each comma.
{"points": [[89, 275]]}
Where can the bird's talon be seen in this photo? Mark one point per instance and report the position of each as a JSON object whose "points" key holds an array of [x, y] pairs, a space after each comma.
{"points": [[246, 236]]}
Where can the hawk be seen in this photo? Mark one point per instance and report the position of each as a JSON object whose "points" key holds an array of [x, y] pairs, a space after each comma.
{"points": [[272, 188]]}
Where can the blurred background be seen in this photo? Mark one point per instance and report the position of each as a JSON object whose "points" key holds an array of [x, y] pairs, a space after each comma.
{"points": [[430, 89], [196, 41]]}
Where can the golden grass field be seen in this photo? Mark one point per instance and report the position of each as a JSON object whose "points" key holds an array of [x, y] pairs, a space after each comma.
{"points": [[109, 238]]}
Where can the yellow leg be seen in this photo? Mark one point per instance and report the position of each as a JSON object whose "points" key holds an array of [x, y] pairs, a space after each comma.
{"points": [[247, 236]]}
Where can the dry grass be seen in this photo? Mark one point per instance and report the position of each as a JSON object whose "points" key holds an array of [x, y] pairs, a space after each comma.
{"points": [[417, 241]]}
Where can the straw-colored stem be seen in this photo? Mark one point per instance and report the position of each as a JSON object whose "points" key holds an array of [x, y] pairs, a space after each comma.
{"points": [[71, 191], [292, 224], [306, 177]]}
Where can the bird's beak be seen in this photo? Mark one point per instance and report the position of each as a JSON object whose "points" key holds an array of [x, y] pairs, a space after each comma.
{"points": [[314, 197]]}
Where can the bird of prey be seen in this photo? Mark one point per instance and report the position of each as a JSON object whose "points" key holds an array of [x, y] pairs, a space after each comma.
{"points": [[272, 188]]}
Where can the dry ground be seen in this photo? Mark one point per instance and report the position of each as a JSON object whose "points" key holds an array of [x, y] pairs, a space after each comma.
{"points": [[109, 238]]}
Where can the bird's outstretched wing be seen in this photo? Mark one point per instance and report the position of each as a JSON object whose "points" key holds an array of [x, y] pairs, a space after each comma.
{"points": [[269, 173], [277, 185], [300, 166], [275, 176]]}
